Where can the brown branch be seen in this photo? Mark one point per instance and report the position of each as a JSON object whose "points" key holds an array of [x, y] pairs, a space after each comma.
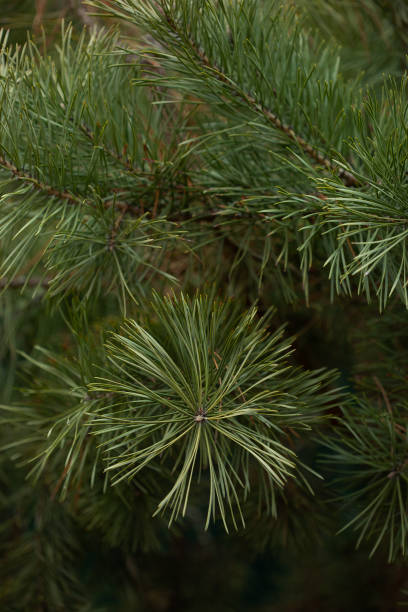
{"points": [[61, 195], [60, 481], [51, 191], [22, 281], [115, 230], [40, 6], [348, 179], [122, 206], [399, 429], [398, 470], [383, 393]]}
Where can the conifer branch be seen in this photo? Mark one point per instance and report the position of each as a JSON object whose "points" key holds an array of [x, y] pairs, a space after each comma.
{"points": [[347, 177], [124, 207], [43, 187]]}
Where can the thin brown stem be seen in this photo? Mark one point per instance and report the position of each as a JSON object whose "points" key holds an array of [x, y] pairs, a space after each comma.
{"points": [[22, 281], [384, 394], [61, 195], [40, 6], [43, 187], [115, 230]]}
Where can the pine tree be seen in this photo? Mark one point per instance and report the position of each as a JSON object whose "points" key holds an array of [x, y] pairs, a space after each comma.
{"points": [[204, 285]]}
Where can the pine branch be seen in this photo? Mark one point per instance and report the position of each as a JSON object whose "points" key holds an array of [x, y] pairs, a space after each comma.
{"points": [[123, 207], [132, 170], [203, 384], [347, 177], [44, 188], [369, 452]]}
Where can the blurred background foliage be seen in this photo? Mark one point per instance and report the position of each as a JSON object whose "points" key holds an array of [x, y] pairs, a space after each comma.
{"points": [[297, 567], [20, 16], [372, 34]]}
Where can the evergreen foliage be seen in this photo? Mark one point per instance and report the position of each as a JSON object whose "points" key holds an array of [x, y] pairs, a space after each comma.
{"points": [[203, 274]]}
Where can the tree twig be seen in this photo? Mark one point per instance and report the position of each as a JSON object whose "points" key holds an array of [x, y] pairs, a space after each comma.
{"points": [[22, 281], [348, 179], [61, 195]]}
